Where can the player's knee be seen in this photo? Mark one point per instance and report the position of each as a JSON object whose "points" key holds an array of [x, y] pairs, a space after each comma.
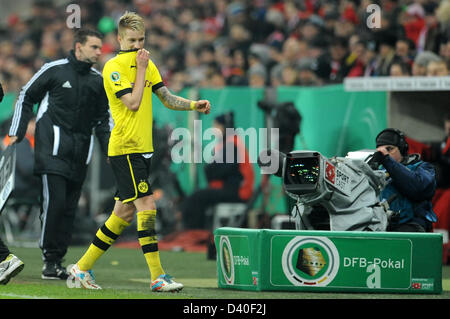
{"points": [[125, 211], [128, 217]]}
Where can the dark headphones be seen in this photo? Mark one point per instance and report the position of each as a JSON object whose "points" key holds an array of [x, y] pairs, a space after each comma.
{"points": [[403, 147]]}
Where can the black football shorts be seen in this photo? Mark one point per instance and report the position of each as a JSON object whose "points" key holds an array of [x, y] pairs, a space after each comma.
{"points": [[131, 172]]}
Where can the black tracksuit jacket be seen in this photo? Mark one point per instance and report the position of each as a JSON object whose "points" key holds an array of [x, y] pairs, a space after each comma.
{"points": [[72, 106]]}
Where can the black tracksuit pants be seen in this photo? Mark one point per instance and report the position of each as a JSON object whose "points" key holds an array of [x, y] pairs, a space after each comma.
{"points": [[194, 206], [59, 203], [4, 251]]}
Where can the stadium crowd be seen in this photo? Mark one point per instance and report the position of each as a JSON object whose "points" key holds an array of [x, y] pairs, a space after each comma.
{"points": [[250, 43]]}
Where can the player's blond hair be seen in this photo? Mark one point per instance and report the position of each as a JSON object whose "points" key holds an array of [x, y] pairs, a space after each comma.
{"points": [[130, 20]]}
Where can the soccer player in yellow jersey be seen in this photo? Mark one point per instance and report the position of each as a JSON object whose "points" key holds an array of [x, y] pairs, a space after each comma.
{"points": [[129, 79]]}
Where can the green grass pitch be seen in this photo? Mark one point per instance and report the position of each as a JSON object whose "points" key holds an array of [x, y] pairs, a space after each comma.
{"points": [[123, 274]]}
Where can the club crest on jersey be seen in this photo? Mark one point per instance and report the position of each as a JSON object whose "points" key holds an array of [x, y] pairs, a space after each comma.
{"points": [[115, 76], [143, 187]]}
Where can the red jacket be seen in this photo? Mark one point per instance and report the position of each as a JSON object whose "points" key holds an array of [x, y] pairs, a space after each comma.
{"points": [[238, 174]]}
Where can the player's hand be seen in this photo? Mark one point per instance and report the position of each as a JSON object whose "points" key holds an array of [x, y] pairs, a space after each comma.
{"points": [[203, 106], [383, 150], [12, 140], [142, 58]]}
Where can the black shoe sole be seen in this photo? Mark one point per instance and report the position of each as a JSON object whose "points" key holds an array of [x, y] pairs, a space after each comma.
{"points": [[53, 277]]}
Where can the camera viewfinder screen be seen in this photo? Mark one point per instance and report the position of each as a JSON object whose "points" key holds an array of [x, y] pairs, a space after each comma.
{"points": [[302, 170]]}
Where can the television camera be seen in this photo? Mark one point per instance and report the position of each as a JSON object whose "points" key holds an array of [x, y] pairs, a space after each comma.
{"points": [[346, 188]]}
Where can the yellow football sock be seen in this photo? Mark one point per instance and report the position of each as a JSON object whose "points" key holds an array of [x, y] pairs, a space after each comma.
{"points": [[148, 241], [104, 238]]}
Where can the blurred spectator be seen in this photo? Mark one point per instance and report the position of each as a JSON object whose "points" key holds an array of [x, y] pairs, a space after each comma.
{"points": [[257, 73], [437, 68], [257, 76], [355, 60], [386, 55], [331, 66], [421, 62], [413, 21], [430, 37], [237, 74], [443, 14], [306, 73], [292, 51], [187, 37], [404, 50], [289, 75], [311, 28], [400, 68], [369, 59], [217, 80], [445, 52]]}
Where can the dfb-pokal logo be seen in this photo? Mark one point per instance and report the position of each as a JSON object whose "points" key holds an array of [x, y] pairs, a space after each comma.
{"points": [[226, 260], [310, 261]]}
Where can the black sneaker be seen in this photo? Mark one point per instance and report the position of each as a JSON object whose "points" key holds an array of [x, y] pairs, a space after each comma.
{"points": [[54, 270]]}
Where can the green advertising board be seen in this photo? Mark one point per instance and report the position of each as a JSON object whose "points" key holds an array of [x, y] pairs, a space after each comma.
{"points": [[334, 122], [287, 260]]}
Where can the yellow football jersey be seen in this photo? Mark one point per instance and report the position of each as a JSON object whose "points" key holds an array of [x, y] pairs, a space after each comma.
{"points": [[132, 131]]}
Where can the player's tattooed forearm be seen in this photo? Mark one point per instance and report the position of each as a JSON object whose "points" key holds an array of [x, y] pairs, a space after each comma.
{"points": [[172, 101]]}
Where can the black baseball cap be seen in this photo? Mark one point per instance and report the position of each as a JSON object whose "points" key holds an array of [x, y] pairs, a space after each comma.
{"points": [[394, 137]]}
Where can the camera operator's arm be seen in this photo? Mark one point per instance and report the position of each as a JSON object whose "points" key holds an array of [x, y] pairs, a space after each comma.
{"points": [[417, 185]]}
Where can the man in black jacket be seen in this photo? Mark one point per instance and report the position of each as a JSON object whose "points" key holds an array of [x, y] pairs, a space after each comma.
{"points": [[72, 106]]}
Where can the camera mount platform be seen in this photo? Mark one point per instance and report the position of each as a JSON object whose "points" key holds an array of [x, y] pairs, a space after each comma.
{"points": [[329, 261]]}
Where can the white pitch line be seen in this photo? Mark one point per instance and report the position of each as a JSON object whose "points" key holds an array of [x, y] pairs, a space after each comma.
{"points": [[24, 296]]}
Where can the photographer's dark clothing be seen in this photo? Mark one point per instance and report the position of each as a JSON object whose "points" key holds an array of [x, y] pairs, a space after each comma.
{"points": [[410, 189], [1, 93], [236, 175], [27, 185], [442, 163], [230, 182], [4, 251], [195, 206], [72, 106]]}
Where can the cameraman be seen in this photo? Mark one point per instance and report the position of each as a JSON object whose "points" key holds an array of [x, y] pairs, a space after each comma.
{"points": [[411, 183]]}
